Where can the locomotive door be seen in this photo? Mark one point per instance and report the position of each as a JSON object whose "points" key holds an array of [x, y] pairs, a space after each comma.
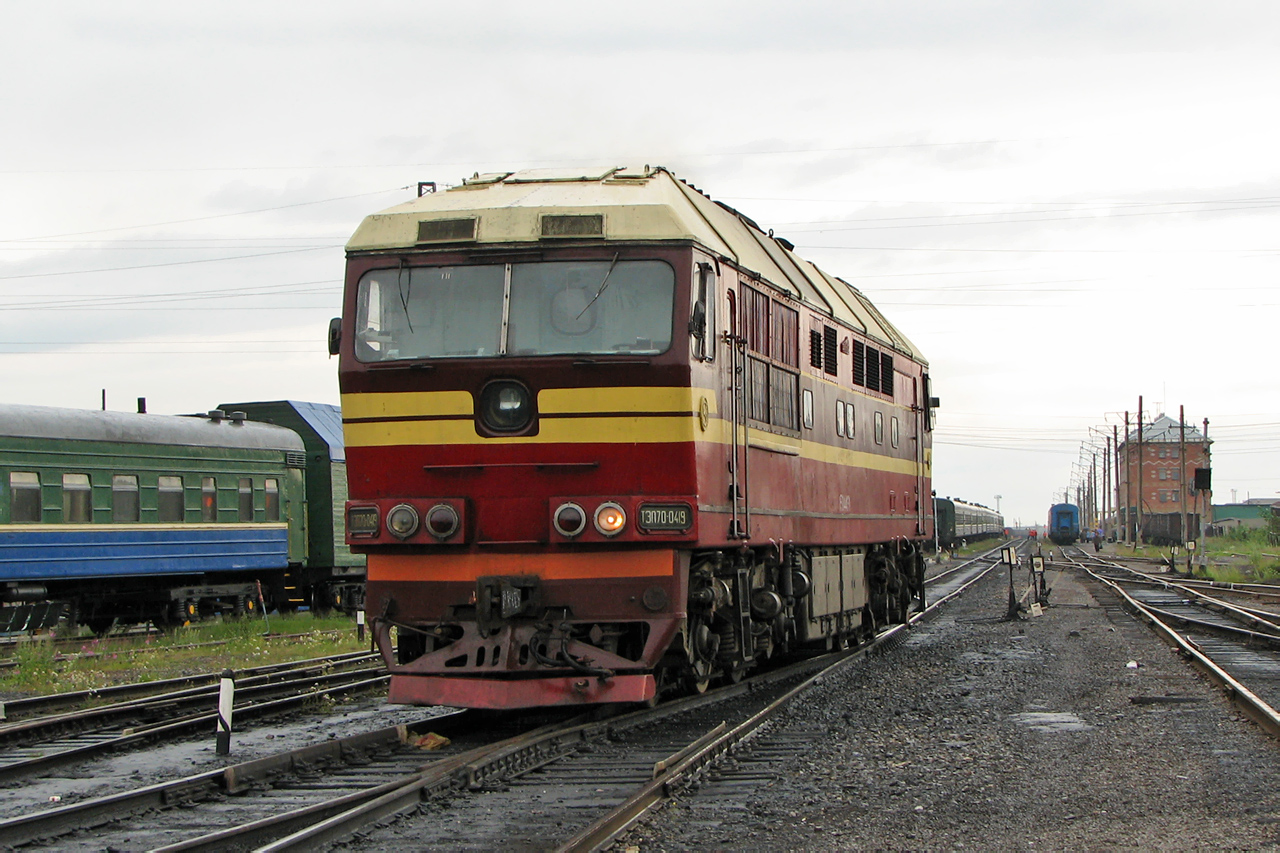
{"points": [[920, 409]]}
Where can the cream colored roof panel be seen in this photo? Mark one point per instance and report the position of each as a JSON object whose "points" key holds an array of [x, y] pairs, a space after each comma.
{"points": [[636, 205]]}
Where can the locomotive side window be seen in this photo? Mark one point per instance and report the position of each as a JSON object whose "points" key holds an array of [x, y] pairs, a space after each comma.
{"points": [[702, 322], [208, 499], [77, 499], [893, 431], [124, 498], [848, 421], [169, 500], [840, 418], [245, 504], [879, 427], [25, 504]]}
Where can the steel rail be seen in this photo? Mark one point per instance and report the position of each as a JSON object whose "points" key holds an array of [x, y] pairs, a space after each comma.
{"points": [[21, 770], [1237, 693]]}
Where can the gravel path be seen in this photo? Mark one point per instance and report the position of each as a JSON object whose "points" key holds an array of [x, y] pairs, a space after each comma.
{"points": [[982, 734]]}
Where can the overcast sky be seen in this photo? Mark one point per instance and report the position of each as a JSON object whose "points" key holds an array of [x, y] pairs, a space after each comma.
{"points": [[1065, 205]]}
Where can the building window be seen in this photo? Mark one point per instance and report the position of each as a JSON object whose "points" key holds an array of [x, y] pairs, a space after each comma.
{"points": [[124, 498], [879, 420], [208, 499], [245, 505], [169, 500], [77, 499], [271, 490], [25, 504], [893, 431], [840, 418]]}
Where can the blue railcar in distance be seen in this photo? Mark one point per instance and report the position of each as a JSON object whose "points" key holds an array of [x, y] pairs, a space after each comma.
{"points": [[1064, 524]]}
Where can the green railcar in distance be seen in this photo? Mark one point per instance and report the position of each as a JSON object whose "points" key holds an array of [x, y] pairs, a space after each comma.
{"points": [[331, 577]]}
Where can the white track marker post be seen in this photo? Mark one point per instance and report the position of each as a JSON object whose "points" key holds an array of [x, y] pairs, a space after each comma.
{"points": [[226, 698], [360, 625]]}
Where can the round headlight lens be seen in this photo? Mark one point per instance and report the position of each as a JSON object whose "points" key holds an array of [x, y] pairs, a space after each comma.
{"points": [[402, 521], [442, 521], [569, 520], [610, 519], [506, 406]]}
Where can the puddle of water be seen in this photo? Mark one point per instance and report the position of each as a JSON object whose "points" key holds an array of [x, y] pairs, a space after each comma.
{"points": [[1045, 721]]}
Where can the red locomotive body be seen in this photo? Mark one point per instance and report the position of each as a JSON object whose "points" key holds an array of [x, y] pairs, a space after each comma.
{"points": [[605, 439]]}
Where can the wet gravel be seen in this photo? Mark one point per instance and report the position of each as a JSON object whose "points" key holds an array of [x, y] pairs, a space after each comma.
{"points": [[1077, 730]]}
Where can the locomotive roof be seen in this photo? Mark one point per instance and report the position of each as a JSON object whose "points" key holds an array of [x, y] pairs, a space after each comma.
{"points": [[636, 205], [125, 427]]}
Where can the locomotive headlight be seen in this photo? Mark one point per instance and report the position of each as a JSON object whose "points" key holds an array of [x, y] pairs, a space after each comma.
{"points": [[610, 519], [569, 520], [506, 406], [402, 521], [442, 521]]}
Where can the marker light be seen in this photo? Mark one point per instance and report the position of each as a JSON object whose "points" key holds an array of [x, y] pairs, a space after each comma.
{"points": [[569, 520], [442, 521], [610, 519], [402, 521]]}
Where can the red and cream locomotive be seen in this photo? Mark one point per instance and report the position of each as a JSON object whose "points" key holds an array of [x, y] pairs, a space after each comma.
{"points": [[607, 439]]}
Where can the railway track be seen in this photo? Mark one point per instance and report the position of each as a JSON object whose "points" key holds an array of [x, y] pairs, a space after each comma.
{"points": [[38, 735], [1236, 646], [573, 783]]}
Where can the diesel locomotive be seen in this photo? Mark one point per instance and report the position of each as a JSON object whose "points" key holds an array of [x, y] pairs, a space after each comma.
{"points": [[608, 439]]}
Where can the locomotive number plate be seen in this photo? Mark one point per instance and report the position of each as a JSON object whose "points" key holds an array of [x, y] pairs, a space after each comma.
{"points": [[665, 517]]}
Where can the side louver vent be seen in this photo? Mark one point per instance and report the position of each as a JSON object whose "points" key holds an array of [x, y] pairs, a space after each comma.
{"points": [[589, 225], [295, 459], [446, 230]]}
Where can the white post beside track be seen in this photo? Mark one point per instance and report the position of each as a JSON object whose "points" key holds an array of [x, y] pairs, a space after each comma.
{"points": [[226, 698], [360, 625]]}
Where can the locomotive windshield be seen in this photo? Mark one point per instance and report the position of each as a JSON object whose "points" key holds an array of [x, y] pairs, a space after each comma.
{"points": [[553, 308]]}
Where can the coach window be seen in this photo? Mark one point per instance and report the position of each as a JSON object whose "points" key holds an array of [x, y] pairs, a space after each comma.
{"points": [[77, 499], [24, 497], [879, 427], [124, 498], [169, 500], [893, 431], [246, 499], [271, 490], [209, 499]]}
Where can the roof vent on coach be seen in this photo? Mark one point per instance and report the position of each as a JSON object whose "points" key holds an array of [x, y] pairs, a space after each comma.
{"points": [[216, 415]]}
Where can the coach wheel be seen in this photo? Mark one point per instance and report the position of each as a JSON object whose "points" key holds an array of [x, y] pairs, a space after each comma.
{"points": [[100, 625]]}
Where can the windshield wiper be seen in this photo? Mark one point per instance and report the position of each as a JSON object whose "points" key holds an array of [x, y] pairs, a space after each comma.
{"points": [[603, 285]]}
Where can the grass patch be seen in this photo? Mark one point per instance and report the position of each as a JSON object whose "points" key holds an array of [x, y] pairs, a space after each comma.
{"points": [[207, 647]]}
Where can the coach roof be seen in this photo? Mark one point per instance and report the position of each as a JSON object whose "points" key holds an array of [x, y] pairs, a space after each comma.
{"points": [[648, 204], [46, 422]]}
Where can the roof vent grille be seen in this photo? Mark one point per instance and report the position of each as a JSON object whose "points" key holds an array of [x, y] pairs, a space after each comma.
{"points": [[446, 230], [573, 225]]}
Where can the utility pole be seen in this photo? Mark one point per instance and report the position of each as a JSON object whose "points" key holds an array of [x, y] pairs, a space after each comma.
{"points": [[1184, 525], [1138, 509], [1115, 445]]}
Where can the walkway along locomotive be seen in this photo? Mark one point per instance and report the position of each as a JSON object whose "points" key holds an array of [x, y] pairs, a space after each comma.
{"points": [[607, 438]]}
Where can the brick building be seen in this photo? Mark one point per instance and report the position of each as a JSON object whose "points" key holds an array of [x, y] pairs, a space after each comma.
{"points": [[1157, 466]]}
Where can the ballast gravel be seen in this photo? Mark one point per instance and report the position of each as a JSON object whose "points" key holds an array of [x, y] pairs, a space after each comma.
{"points": [[1075, 730]]}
